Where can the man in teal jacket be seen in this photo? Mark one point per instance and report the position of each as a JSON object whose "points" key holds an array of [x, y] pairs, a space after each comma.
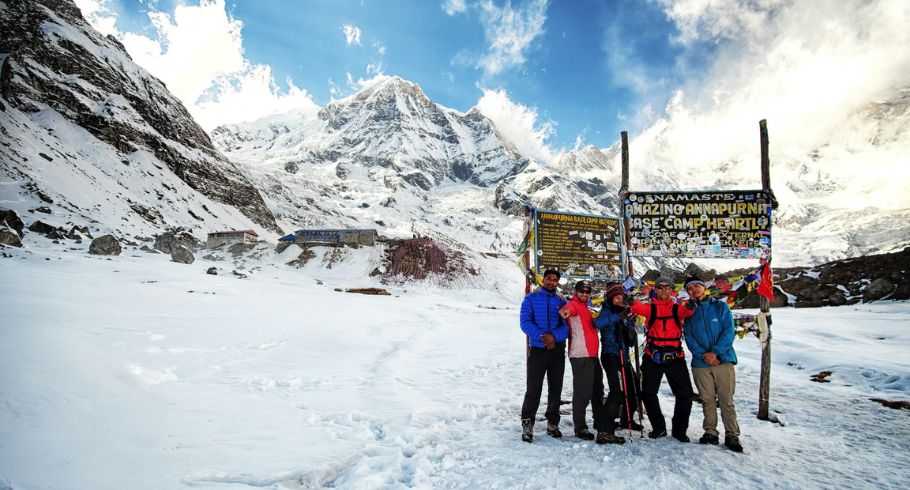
{"points": [[709, 336]]}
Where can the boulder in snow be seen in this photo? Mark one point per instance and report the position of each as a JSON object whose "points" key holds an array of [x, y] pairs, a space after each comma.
{"points": [[11, 219], [9, 237], [878, 289], [78, 233], [167, 241], [105, 245], [182, 254], [41, 227]]}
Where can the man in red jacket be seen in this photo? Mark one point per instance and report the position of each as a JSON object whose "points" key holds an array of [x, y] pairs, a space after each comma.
{"points": [[664, 356], [587, 376]]}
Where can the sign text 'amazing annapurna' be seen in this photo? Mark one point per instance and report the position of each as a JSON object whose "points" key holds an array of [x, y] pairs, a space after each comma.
{"points": [[731, 224]]}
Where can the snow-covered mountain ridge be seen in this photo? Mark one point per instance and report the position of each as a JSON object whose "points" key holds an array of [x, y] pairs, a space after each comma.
{"points": [[389, 157], [86, 128]]}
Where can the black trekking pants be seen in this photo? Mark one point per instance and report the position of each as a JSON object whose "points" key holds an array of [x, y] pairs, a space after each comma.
{"points": [[588, 387], [677, 373], [616, 402], [549, 363]]}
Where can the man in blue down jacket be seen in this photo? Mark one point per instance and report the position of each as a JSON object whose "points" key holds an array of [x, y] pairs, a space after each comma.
{"points": [[547, 332], [709, 335]]}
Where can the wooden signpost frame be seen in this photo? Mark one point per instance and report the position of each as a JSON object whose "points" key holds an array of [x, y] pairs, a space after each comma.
{"points": [[764, 317]]}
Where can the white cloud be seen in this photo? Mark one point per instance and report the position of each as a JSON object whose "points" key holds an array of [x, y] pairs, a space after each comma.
{"points": [[198, 53], [627, 67], [518, 124], [99, 14], [453, 7], [509, 32], [195, 46], [249, 95], [351, 34], [812, 69]]}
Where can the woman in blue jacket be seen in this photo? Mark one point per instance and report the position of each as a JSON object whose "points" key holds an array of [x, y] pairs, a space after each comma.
{"points": [[615, 337]]}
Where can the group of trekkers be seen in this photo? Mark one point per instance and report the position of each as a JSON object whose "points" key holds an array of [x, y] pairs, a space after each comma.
{"points": [[705, 323]]}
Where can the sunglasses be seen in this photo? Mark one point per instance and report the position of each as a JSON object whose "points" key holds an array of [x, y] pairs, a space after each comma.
{"points": [[663, 286]]}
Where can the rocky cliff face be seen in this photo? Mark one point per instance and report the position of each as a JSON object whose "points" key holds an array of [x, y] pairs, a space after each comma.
{"points": [[56, 70]]}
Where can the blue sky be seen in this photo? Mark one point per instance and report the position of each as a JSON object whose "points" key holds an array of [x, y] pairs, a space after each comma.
{"points": [[578, 65]]}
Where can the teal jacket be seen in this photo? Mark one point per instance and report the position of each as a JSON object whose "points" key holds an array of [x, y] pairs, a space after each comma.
{"points": [[710, 329]]}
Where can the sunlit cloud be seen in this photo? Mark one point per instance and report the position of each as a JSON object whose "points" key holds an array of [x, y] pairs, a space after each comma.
{"points": [[509, 32], [519, 124], [100, 15], [814, 70], [351, 34], [453, 7], [197, 51]]}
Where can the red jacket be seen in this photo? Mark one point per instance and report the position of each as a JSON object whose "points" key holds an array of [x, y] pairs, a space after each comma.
{"points": [[666, 331], [583, 339]]}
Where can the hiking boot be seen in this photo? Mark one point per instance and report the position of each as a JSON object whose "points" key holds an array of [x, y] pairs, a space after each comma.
{"points": [[709, 439], [527, 430], [634, 426], [553, 431], [732, 442], [607, 437], [657, 434], [584, 434], [681, 436]]}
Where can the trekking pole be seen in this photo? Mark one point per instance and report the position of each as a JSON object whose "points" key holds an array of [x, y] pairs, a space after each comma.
{"points": [[636, 385], [622, 374]]}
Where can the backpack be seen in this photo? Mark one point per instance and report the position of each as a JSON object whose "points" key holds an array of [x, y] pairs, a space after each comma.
{"points": [[653, 319]]}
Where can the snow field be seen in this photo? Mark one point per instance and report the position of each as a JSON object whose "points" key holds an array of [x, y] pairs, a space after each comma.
{"points": [[137, 372]]}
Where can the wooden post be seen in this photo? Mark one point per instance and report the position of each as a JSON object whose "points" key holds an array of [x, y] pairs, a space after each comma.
{"points": [[765, 159], [624, 187], [764, 386], [623, 194]]}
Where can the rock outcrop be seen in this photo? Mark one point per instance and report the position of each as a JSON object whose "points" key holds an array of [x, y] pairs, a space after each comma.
{"points": [[170, 240], [9, 237], [105, 245], [9, 218], [182, 254]]}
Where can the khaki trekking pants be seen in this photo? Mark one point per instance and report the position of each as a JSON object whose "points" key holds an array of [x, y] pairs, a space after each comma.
{"points": [[716, 386]]}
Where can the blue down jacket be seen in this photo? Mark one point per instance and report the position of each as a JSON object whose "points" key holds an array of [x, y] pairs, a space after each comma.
{"points": [[710, 329], [613, 331], [540, 315]]}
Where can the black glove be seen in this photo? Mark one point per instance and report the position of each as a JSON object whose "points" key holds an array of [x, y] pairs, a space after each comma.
{"points": [[627, 300], [625, 314], [690, 304], [631, 336]]}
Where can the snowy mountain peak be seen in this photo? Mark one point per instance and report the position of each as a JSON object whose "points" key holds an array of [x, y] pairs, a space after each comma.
{"points": [[392, 87]]}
